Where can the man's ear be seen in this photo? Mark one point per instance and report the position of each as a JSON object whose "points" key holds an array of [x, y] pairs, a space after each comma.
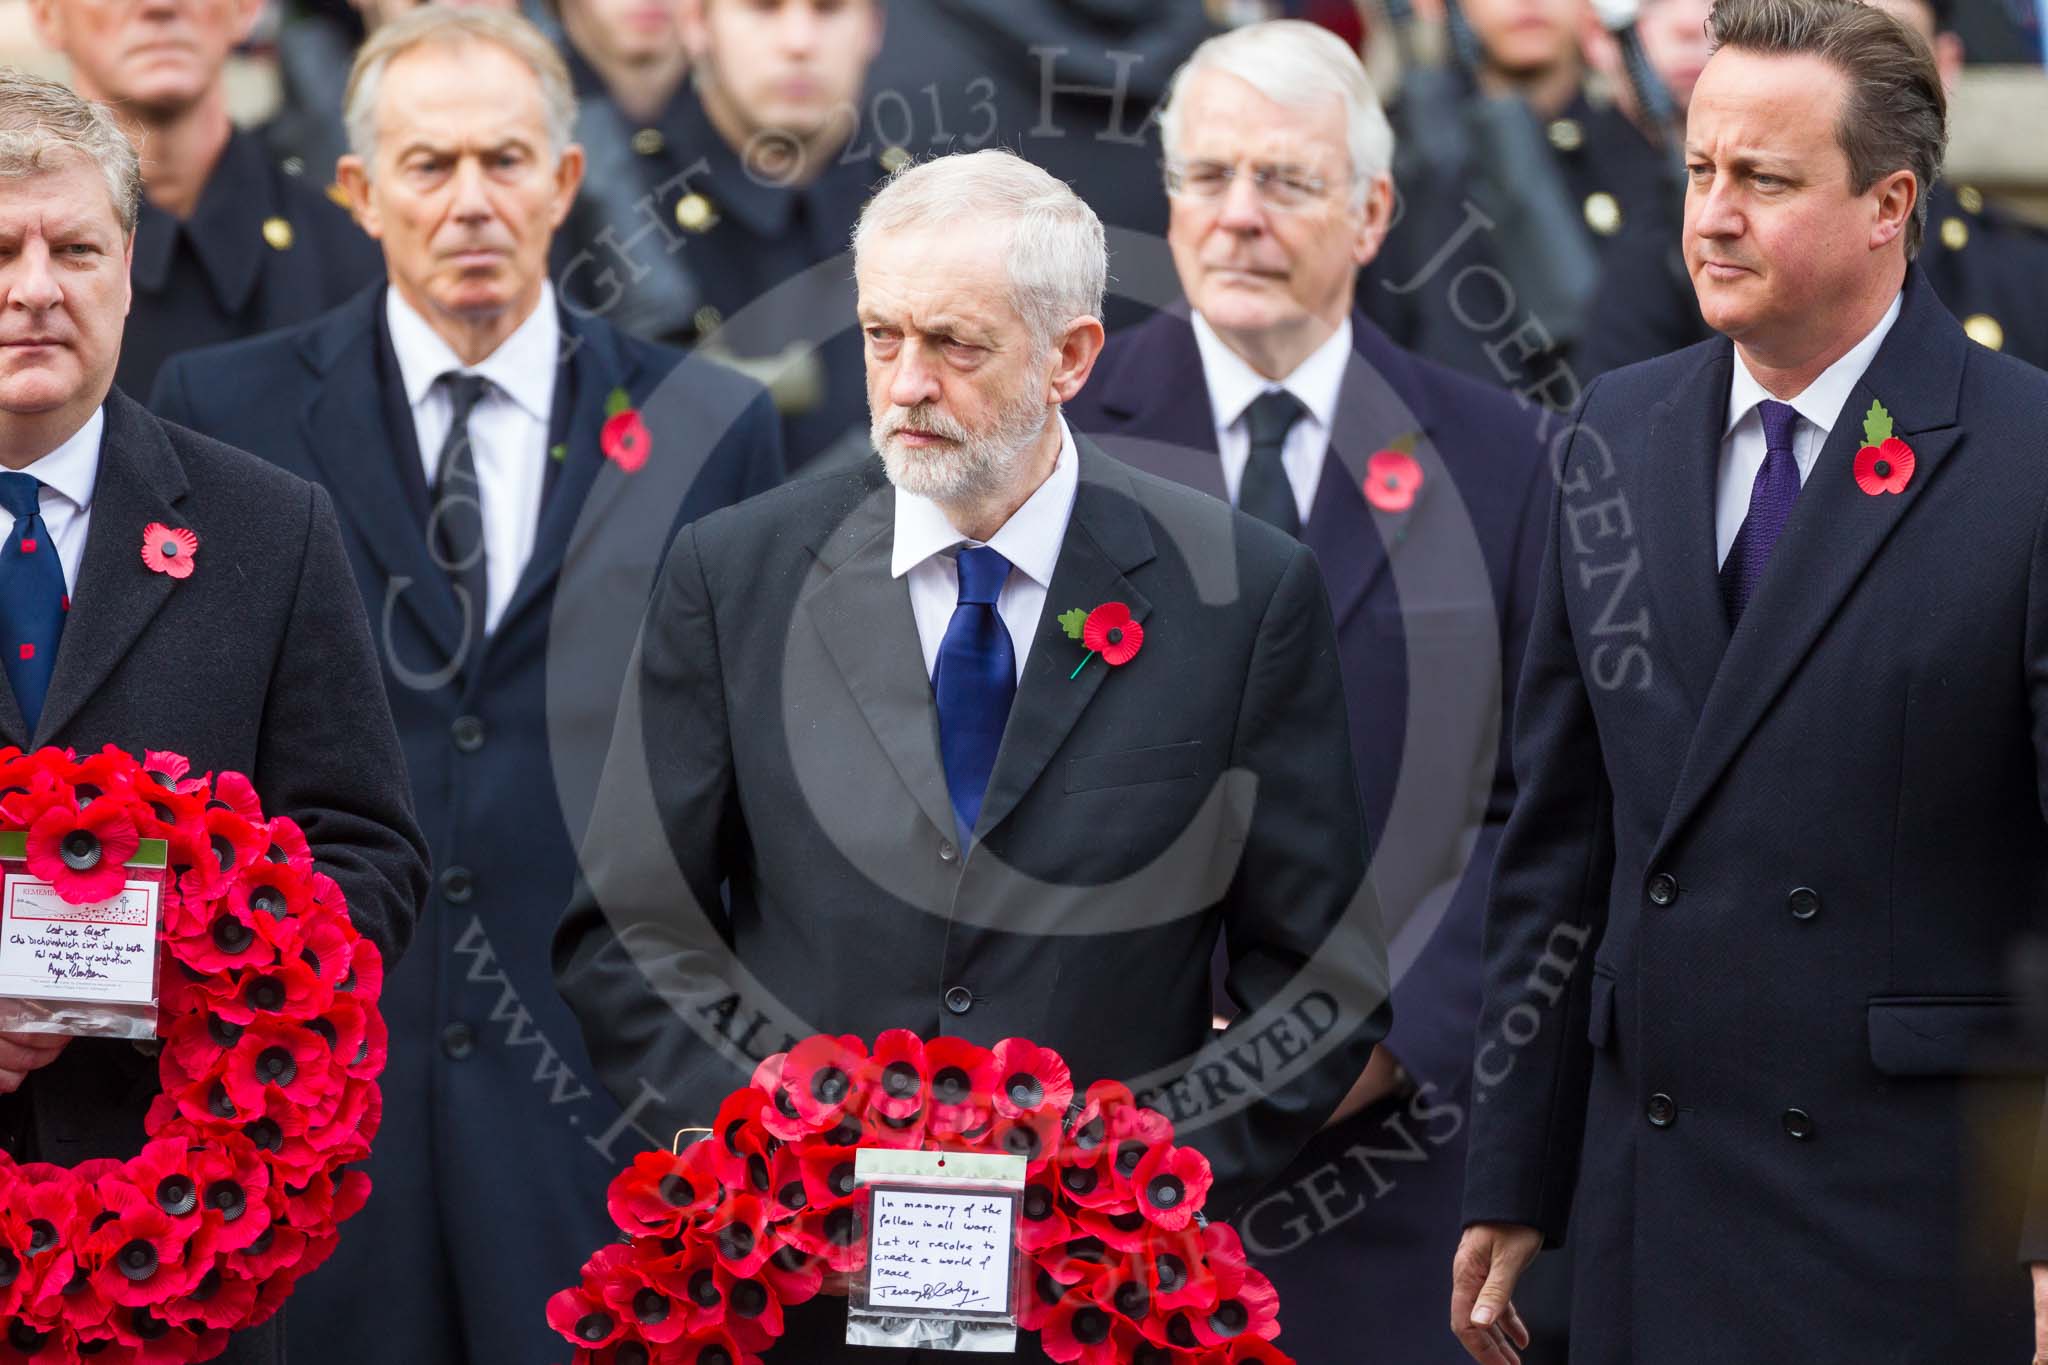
{"points": [[1898, 194], [569, 168], [354, 178], [1078, 351], [47, 18], [1375, 219]]}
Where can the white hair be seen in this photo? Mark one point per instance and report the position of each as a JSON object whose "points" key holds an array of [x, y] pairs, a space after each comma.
{"points": [[443, 25], [1297, 64], [1057, 253]]}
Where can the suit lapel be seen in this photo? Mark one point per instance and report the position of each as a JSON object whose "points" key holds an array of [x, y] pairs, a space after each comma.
{"points": [[1677, 516], [863, 615], [1106, 538], [348, 437], [140, 481], [1834, 532]]}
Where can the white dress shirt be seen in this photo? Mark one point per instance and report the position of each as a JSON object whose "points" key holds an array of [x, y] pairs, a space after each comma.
{"points": [[1234, 385], [926, 543], [508, 430], [1819, 408], [69, 474]]}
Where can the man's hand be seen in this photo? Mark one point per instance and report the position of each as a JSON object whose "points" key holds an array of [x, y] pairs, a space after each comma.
{"points": [[21, 1053], [1491, 1257], [2040, 1269]]}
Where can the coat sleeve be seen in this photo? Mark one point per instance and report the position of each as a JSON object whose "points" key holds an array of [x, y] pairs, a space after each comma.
{"points": [[1547, 910], [2034, 1230], [328, 752], [1307, 957], [631, 957]]}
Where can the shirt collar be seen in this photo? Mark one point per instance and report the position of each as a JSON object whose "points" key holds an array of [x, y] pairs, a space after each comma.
{"points": [[1234, 384], [73, 468], [523, 366], [1030, 539], [224, 228], [1821, 401]]}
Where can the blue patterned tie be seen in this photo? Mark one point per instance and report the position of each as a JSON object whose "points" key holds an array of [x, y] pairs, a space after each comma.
{"points": [[1770, 506], [32, 597], [974, 681]]}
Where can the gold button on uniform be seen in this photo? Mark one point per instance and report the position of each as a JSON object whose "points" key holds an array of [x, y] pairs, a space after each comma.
{"points": [[649, 142], [694, 212], [1955, 233], [1985, 330], [278, 233], [894, 159], [1971, 198], [1566, 135], [707, 320], [1603, 213]]}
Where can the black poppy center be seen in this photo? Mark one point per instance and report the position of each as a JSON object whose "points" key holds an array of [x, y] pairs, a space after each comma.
{"points": [[225, 1197], [630, 1353], [1116, 635], [1148, 1354], [650, 1306], [266, 993], [1050, 1291], [757, 1172], [1128, 1156], [9, 1268], [829, 1085], [1022, 1141], [169, 549], [1171, 1272], [225, 1033], [223, 851], [270, 901], [793, 1196], [840, 1182], [42, 1235], [748, 1299], [704, 1289], [265, 1133], [844, 1134], [208, 1287], [1166, 1192], [264, 1241], [230, 935], [790, 1259], [1127, 1222], [841, 1228], [1132, 1300], [138, 1260], [1229, 1318], [899, 1080], [951, 1086], [177, 1195], [217, 1102], [1037, 1204], [80, 850], [1883, 468], [1090, 1134], [675, 1191], [735, 1241], [277, 1066], [784, 1105], [1026, 1090], [25, 1338], [1079, 1179], [903, 1124], [594, 1326], [714, 1355], [1091, 1326]]}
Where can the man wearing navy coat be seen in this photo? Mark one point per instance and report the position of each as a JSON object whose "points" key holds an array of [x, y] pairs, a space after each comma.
{"points": [[1274, 391], [1782, 739], [509, 475]]}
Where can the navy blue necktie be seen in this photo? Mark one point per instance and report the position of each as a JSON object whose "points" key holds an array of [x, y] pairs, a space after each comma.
{"points": [[974, 682], [1770, 506], [31, 596], [1264, 492]]}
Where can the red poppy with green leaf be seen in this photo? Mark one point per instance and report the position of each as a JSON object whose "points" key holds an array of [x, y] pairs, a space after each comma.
{"points": [[1885, 463], [624, 439]]}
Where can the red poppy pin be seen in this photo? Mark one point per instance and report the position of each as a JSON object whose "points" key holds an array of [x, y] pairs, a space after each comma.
{"points": [[1392, 476], [1108, 631], [169, 549], [1885, 464], [624, 440]]}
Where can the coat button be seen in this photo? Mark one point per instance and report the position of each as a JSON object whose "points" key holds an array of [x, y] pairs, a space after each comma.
{"points": [[1662, 1110], [458, 1041], [457, 885], [1663, 889], [468, 733], [1799, 1124], [948, 852], [1804, 902], [959, 1000]]}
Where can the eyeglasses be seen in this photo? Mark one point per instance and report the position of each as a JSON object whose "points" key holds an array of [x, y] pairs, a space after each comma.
{"points": [[1279, 187]]}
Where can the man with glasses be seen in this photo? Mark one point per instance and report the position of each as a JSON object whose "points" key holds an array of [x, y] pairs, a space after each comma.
{"points": [[1422, 494]]}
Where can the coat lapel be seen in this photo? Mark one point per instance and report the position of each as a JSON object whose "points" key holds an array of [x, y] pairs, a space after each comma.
{"points": [[348, 438], [864, 617], [1106, 538], [1162, 422], [1834, 532], [116, 596]]}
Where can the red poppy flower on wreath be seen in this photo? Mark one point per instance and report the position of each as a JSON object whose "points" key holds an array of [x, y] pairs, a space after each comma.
{"points": [[825, 1077], [83, 853], [1885, 463], [169, 549], [1171, 1183], [902, 1083], [1033, 1078], [624, 439], [1393, 477]]}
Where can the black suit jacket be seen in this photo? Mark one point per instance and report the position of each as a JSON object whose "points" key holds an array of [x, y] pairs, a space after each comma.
{"points": [[1752, 918], [1432, 609], [259, 663], [503, 747], [778, 739]]}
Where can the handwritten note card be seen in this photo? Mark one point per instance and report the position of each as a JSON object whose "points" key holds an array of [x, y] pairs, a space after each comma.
{"points": [[935, 1250], [53, 950]]}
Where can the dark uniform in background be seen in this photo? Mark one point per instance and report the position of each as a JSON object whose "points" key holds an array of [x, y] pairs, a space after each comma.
{"points": [[1988, 267], [676, 239], [1620, 183], [262, 250]]}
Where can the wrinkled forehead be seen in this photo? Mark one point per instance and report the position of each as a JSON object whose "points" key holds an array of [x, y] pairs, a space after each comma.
{"points": [[1761, 106], [1226, 119], [457, 91], [951, 280], [64, 193]]}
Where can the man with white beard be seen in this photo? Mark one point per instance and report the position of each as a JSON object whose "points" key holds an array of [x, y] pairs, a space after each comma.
{"points": [[867, 777]]}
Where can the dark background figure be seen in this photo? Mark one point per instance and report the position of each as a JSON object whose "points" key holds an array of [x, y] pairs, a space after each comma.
{"points": [[229, 244], [490, 1174], [1432, 604], [294, 704], [1989, 267], [739, 199]]}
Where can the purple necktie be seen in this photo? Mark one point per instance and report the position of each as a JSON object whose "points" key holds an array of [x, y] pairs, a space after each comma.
{"points": [[1770, 504]]}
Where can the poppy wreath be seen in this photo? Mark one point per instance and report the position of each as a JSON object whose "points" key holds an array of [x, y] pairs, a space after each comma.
{"points": [[764, 1212], [270, 1047]]}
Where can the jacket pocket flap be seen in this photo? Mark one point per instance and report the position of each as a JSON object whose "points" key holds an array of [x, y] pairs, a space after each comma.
{"points": [[1950, 1036], [1129, 767]]}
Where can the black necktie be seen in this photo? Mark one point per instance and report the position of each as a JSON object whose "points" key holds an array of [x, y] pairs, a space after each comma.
{"points": [[1265, 492], [456, 528]]}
